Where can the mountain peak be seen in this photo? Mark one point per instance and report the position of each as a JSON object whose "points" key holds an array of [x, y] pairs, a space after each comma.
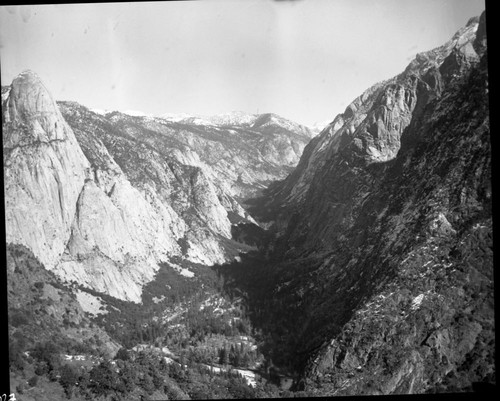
{"points": [[473, 20], [29, 97], [28, 79], [29, 104], [28, 76]]}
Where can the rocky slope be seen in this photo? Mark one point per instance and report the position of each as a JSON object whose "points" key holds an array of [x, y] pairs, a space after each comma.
{"points": [[370, 129], [41, 309], [241, 152], [102, 201], [44, 169], [379, 279], [384, 248]]}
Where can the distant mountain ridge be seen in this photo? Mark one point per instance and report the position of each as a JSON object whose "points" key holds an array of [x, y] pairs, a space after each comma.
{"points": [[245, 156], [234, 118]]}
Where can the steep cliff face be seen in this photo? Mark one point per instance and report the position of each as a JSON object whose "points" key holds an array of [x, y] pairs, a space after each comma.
{"points": [[53, 206], [192, 206], [385, 232], [105, 201], [44, 170], [370, 129]]}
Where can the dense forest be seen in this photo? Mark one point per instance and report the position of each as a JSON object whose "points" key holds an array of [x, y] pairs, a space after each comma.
{"points": [[197, 342]]}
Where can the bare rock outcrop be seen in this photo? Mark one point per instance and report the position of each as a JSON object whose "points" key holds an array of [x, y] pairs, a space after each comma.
{"points": [[44, 170], [382, 265], [104, 200], [80, 213], [370, 129]]}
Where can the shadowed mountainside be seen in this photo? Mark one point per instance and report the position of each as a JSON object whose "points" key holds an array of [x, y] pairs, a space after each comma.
{"points": [[380, 278]]}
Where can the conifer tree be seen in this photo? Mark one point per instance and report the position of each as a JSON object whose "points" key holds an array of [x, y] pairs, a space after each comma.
{"points": [[223, 357]]}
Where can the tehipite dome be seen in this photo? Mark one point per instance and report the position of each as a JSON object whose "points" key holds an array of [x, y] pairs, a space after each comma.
{"points": [[31, 113], [44, 169]]}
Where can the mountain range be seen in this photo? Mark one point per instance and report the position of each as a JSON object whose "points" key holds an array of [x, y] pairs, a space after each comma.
{"points": [[127, 192], [359, 260]]}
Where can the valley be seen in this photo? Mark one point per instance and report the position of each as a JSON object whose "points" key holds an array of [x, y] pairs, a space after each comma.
{"points": [[243, 256], [150, 213]]}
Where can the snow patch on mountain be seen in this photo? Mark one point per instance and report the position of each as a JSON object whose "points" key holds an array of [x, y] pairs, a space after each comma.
{"points": [[101, 112], [136, 113], [175, 117], [223, 119]]}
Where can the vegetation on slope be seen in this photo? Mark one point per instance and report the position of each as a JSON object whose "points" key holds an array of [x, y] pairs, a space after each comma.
{"points": [[400, 297], [185, 342]]}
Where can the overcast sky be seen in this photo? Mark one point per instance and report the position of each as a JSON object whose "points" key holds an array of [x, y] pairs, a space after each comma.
{"points": [[305, 60]]}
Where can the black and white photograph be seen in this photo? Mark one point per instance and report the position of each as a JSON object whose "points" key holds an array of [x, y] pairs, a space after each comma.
{"points": [[228, 199]]}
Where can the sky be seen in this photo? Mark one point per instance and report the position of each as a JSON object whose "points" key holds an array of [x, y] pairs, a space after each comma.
{"points": [[305, 60]]}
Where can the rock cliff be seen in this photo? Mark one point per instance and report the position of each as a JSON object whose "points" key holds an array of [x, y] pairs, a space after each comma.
{"points": [[384, 236], [102, 200], [44, 170], [370, 129], [379, 276]]}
